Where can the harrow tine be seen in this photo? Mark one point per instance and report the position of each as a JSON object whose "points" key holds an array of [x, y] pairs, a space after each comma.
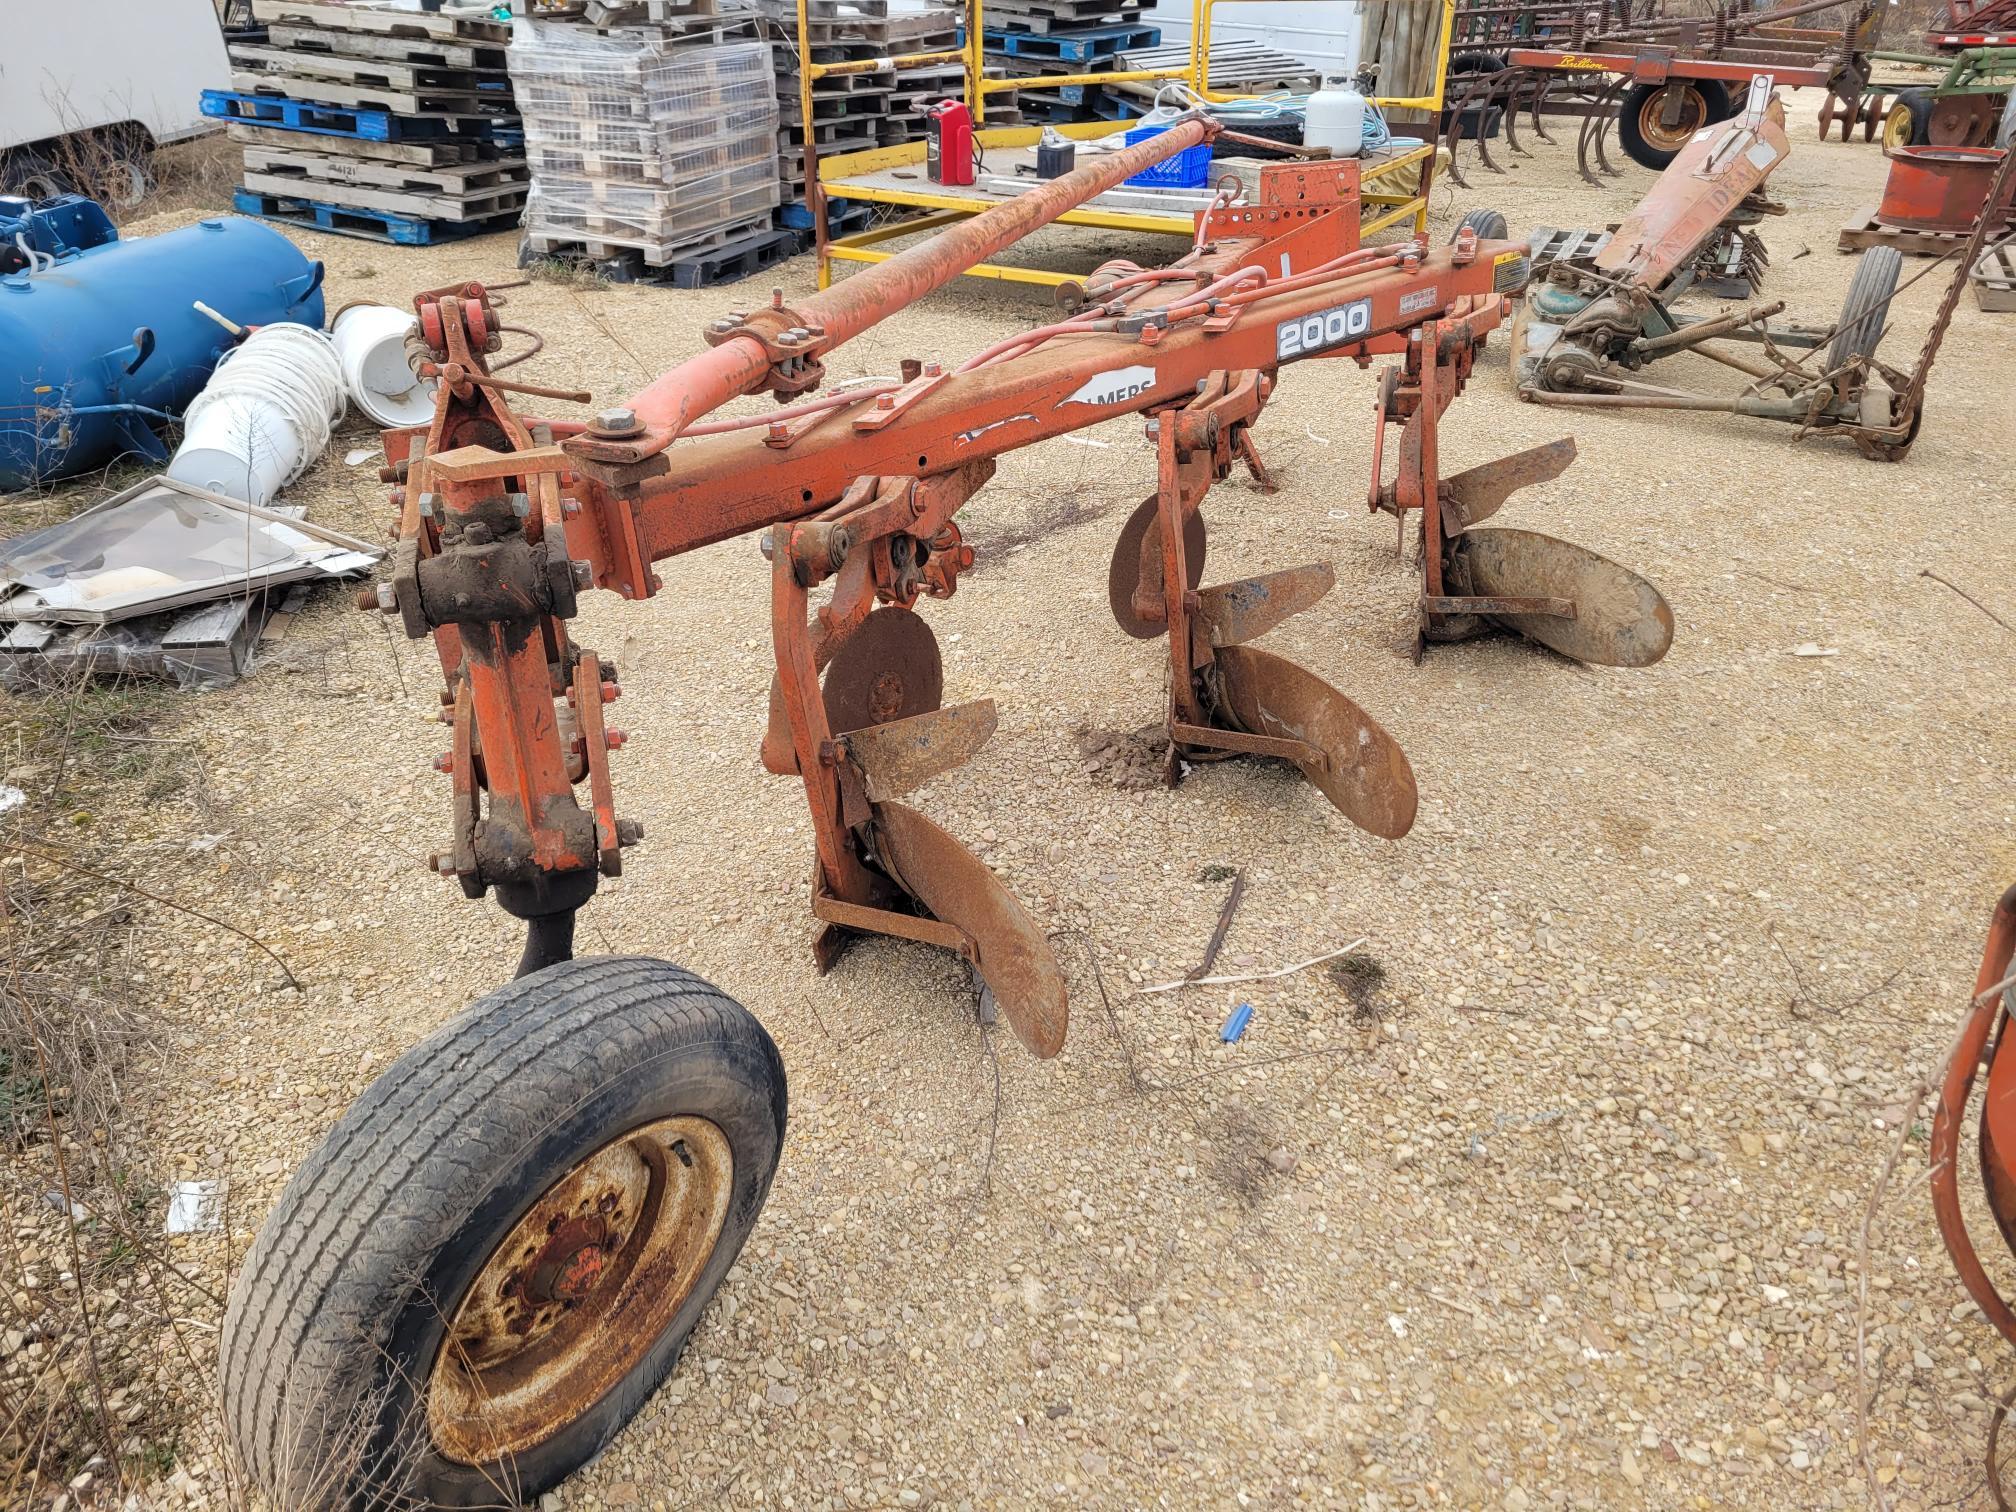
{"points": [[1455, 155], [1582, 136], [1619, 619], [1247, 609], [1539, 98], [1344, 751], [1510, 116], [1007, 947], [907, 753], [1477, 493]]}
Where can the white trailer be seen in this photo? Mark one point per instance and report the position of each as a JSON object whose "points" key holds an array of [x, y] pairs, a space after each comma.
{"points": [[103, 82]]}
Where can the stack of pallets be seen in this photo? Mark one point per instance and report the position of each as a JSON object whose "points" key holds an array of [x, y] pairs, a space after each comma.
{"points": [[397, 125], [1238, 66], [652, 142], [879, 107], [1038, 39]]}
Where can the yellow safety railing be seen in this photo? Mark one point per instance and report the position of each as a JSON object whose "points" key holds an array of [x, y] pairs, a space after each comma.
{"points": [[1196, 72]]}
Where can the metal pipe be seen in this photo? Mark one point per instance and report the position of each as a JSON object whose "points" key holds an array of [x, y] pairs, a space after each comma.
{"points": [[740, 366]]}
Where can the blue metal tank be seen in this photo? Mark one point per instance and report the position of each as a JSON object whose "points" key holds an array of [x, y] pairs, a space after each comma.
{"points": [[100, 340]]}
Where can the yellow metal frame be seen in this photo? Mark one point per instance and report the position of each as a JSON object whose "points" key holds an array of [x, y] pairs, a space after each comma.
{"points": [[829, 179]]}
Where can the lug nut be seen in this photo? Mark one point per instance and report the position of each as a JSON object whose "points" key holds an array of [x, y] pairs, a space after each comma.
{"points": [[610, 692], [629, 831], [443, 763], [615, 739], [779, 431], [885, 401], [442, 863], [933, 369], [617, 422]]}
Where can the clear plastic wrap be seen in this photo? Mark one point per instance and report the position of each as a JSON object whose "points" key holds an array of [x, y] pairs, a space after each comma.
{"points": [[643, 138]]}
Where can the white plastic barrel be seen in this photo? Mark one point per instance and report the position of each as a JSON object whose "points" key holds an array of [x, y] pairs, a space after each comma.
{"points": [[263, 417], [1335, 118], [371, 346]]}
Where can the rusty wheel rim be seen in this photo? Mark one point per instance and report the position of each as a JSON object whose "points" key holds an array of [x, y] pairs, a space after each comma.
{"points": [[1693, 115], [582, 1288]]}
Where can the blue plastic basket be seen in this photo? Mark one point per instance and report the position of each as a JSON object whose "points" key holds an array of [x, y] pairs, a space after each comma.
{"points": [[1188, 169]]}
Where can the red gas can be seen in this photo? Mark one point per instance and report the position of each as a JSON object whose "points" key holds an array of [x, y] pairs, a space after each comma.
{"points": [[948, 150]]}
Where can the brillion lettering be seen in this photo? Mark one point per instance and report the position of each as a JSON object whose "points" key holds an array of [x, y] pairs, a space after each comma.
{"points": [[1326, 328]]}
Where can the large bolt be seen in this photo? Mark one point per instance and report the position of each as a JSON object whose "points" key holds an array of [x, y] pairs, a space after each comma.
{"points": [[584, 574], [443, 763], [388, 599], [617, 422], [767, 546], [615, 739], [442, 863], [933, 369], [885, 401], [629, 831]]}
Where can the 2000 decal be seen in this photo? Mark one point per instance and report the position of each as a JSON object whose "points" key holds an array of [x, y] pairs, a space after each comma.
{"points": [[1326, 328]]}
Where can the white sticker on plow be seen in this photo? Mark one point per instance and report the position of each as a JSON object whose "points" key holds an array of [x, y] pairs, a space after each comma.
{"points": [[1113, 387]]}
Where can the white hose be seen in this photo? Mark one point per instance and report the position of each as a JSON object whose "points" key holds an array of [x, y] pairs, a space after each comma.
{"points": [[292, 367], [265, 415]]}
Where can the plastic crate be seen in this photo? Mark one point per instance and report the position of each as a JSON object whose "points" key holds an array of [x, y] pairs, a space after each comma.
{"points": [[1188, 169]]}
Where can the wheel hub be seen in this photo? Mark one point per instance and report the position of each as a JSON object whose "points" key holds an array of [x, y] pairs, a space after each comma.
{"points": [[582, 1288]]}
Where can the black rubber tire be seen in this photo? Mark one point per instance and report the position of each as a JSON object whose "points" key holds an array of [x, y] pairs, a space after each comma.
{"points": [[1914, 106], [1714, 107], [1867, 306], [1477, 62], [1488, 224], [339, 1310]]}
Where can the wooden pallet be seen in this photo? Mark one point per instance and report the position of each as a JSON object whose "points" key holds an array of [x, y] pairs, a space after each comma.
{"points": [[643, 12], [389, 23], [349, 220], [280, 112], [369, 73], [1045, 16], [355, 149], [485, 204], [434, 51], [573, 246], [441, 105], [460, 180], [1994, 281], [1240, 61], [1864, 230]]}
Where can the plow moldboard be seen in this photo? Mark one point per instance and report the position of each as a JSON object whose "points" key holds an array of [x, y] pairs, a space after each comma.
{"points": [[1369, 779], [1620, 619], [958, 888]]}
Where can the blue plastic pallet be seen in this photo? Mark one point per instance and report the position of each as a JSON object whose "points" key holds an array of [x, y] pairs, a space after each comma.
{"points": [[842, 216], [376, 225], [1069, 47], [337, 120]]}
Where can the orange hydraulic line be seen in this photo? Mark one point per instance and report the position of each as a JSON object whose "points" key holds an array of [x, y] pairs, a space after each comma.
{"points": [[1952, 1109], [706, 382]]}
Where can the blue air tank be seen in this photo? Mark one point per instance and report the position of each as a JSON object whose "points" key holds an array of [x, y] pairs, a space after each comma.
{"points": [[100, 340]]}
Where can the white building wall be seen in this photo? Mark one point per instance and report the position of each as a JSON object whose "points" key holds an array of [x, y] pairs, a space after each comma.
{"points": [[1322, 32]]}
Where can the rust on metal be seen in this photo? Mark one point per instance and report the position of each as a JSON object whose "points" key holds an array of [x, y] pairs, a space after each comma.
{"points": [[1477, 493], [887, 669], [1247, 609], [585, 1283], [1012, 956], [1134, 574], [903, 754], [1618, 619], [1365, 773]]}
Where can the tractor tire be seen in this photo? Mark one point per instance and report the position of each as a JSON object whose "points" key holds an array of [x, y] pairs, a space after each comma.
{"points": [[1867, 306], [1646, 140], [1906, 122], [1488, 224], [499, 1251]]}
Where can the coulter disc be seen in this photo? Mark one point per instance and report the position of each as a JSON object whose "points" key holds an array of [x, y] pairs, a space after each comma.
{"points": [[1140, 545], [1620, 618], [1367, 776], [887, 669], [959, 888]]}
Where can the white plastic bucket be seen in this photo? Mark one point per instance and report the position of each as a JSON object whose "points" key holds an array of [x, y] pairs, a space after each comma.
{"points": [[371, 346], [239, 446], [264, 416]]}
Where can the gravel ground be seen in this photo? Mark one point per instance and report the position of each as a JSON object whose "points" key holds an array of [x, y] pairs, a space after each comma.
{"points": [[1557, 1206]]}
